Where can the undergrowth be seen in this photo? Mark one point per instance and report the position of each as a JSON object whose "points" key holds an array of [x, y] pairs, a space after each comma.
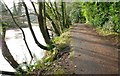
{"points": [[105, 32]]}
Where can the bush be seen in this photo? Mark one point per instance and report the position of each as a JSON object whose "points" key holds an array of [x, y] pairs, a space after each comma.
{"points": [[103, 14]]}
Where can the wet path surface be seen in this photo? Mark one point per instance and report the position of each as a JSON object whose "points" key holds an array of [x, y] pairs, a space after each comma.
{"points": [[93, 55]]}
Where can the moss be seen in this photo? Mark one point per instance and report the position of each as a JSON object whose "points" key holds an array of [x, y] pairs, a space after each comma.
{"points": [[62, 41]]}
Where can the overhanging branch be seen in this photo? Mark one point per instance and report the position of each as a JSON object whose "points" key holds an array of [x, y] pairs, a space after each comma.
{"points": [[31, 29], [24, 38]]}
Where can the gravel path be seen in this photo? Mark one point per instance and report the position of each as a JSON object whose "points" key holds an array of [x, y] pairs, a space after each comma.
{"points": [[93, 55]]}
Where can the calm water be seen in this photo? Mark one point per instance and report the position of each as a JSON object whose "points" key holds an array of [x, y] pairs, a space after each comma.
{"points": [[18, 49]]}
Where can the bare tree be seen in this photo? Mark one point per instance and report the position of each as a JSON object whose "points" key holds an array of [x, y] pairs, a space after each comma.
{"points": [[4, 43], [42, 21], [31, 29]]}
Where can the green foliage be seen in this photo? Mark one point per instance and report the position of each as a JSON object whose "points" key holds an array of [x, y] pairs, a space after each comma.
{"points": [[75, 12], [103, 14], [59, 15]]}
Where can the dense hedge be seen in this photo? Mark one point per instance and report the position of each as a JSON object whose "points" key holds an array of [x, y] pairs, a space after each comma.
{"points": [[103, 14]]}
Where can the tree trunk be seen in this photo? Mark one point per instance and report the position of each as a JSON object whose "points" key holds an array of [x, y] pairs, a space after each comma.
{"points": [[54, 26], [44, 19], [43, 27], [7, 55], [63, 14], [6, 52], [24, 38], [57, 19], [41, 22], [30, 27]]}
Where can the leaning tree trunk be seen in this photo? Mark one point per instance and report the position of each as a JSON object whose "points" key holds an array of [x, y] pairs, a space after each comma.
{"points": [[44, 19], [31, 29], [6, 52], [24, 37], [41, 21], [43, 27]]}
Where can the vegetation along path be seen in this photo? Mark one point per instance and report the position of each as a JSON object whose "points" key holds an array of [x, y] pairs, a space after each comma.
{"points": [[92, 53]]}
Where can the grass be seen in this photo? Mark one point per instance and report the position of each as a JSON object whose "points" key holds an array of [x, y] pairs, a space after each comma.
{"points": [[114, 37], [105, 32]]}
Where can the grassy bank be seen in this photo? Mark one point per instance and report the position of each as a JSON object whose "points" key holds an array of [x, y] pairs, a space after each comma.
{"points": [[47, 65]]}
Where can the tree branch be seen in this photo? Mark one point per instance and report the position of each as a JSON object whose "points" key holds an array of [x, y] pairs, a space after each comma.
{"points": [[31, 29], [54, 26], [42, 25], [24, 38], [34, 8]]}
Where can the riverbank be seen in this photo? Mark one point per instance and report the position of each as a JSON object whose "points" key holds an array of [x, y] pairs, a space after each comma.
{"points": [[50, 63], [85, 55]]}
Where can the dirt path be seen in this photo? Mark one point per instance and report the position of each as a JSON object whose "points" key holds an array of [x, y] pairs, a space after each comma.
{"points": [[93, 55]]}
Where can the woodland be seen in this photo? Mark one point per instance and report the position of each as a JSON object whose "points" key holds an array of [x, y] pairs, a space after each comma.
{"points": [[55, 21]]}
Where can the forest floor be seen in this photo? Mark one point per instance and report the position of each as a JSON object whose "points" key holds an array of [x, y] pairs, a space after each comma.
{"points": [[92, 53]]}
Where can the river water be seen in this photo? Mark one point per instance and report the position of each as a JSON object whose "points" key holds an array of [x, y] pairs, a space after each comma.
{"points": [[15, 42]]}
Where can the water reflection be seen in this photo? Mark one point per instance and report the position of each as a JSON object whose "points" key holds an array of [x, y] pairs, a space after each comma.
{"points": [[15, 42]]}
